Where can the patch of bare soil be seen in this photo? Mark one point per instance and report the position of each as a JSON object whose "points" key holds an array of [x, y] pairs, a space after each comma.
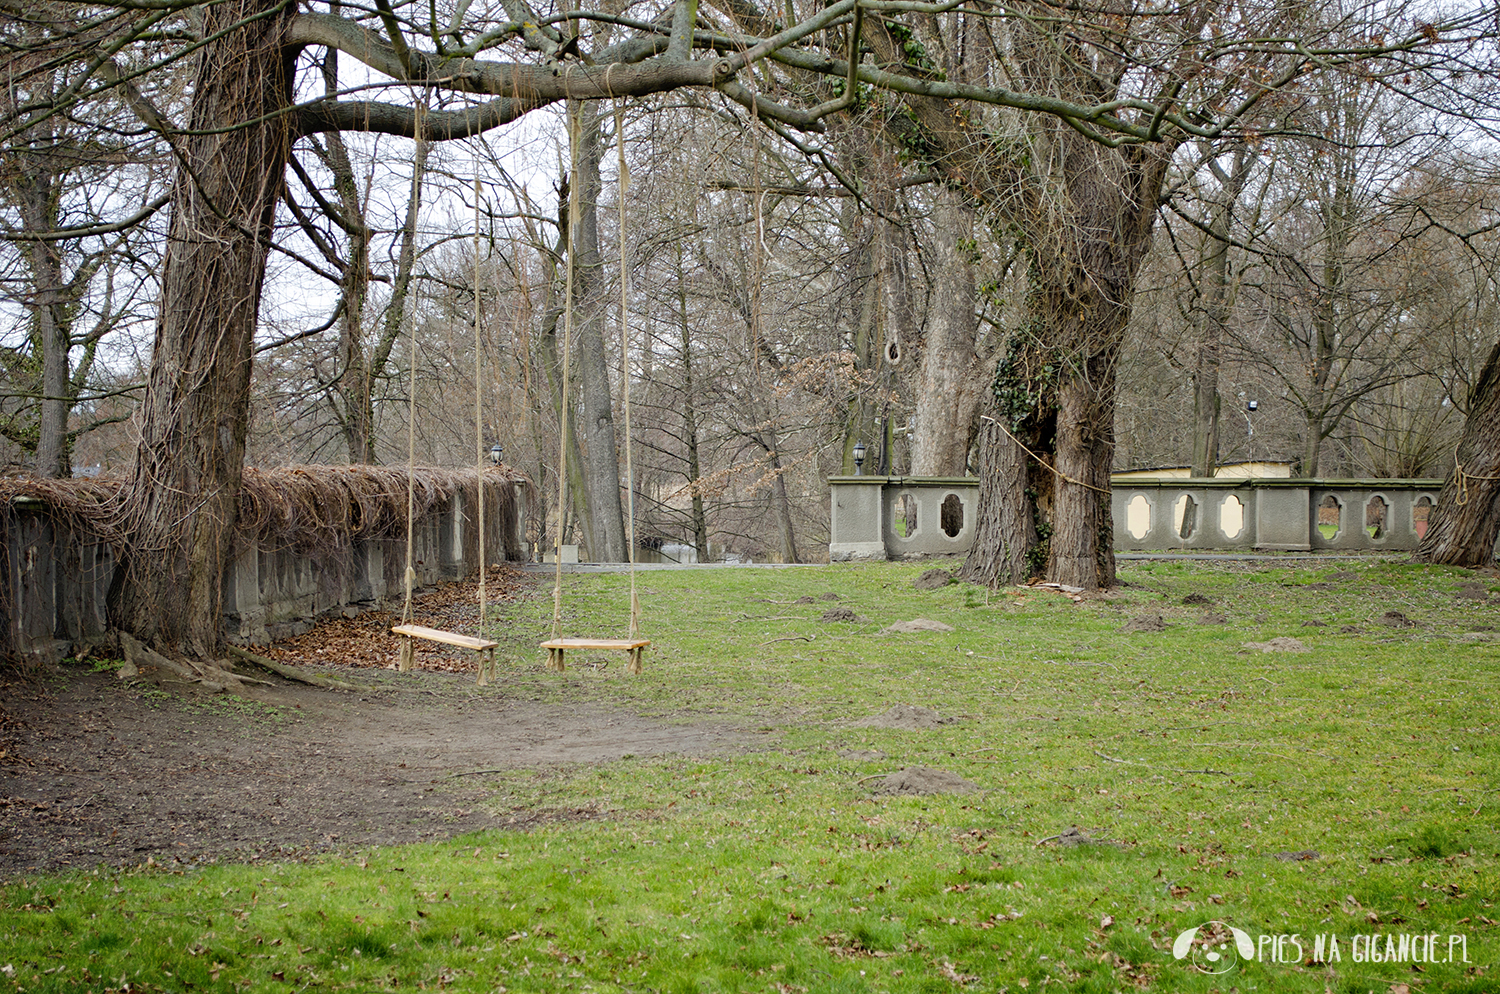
{"points": [[1151, 621], [905, 716], [918, 625], [1280, 644], [844, 614], [1395, 619], [934, 579], [94, 770], [923, 780]]}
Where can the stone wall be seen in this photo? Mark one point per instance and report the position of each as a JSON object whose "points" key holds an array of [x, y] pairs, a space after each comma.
{"points": [[55, 583]]}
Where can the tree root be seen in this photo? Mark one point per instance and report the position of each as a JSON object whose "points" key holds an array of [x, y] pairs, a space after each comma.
{"points": [[296, 672], [211, 678]]}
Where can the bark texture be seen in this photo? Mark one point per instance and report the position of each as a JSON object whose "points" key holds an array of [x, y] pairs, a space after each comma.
{"points": [[1466, 521], [1083, 281], [1005, 520], [181, 507], [952, 383]]}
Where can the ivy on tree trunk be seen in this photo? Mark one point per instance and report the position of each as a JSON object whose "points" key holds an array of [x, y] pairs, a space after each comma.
{"points": [[181, 506]]}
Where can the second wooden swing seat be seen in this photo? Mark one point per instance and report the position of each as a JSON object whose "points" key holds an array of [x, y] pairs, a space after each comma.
{"points": [[556, 648]]}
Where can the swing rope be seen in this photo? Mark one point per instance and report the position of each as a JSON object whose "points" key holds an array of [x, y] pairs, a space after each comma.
{"points": [[624, 184], [410, 576], [558, 647], [478, 398]]}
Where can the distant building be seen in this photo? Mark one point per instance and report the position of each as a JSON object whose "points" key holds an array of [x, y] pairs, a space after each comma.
{"points": [[1257, 470]]}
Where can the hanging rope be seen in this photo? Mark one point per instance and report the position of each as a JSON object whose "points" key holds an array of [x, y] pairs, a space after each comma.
{"points": [[479, 454], [562, 428], [1462, 478], [409, 578], [624, 183]]}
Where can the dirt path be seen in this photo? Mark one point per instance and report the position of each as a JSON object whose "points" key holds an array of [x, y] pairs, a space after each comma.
{"points": [[95, 770]]}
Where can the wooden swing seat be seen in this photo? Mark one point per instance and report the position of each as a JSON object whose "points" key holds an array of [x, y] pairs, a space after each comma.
{"points": [[486, 665], [556, 648]]}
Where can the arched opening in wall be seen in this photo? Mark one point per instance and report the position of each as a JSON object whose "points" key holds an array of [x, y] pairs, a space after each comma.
{"points": [[906, 516], [1421, 513], [1375, 517], [1330, 517], [1231, 517], [1185, 514], [1138, 517], [951, 516]]}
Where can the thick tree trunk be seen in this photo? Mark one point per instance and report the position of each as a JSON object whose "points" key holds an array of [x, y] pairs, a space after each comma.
{"points": [[1082, 549], [951, 384], [1005, 532], [602, 470], [53, 458], [1211, 314], [1466, 521], [1082, 286], [181, 506]]}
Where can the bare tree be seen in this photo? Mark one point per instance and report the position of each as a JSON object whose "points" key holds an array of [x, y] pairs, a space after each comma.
{"points": [[71, 219], [1088, 108]]}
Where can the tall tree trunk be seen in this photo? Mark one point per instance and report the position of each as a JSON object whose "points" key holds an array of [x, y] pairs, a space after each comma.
{"points": [[950, 389], [858, 272], [356, 372], [1466, 521], [53, 330], [781, 502], [1083, 284], [1211, 314], [690, 412], [602, 470], [182, 503], [37, 190]]}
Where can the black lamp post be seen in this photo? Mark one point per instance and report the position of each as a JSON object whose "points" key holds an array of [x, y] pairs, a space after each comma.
{"points": [[859, 458], [1251, 406]]}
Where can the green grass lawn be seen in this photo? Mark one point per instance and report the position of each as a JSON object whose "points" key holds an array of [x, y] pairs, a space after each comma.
{"points": [[1349, 791]]}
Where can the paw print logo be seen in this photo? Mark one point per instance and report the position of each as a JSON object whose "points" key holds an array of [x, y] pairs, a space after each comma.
{"points": [[1214, 947]]}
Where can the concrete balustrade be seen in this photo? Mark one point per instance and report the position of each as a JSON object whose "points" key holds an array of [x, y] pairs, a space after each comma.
{"points": [[911, 517]]}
